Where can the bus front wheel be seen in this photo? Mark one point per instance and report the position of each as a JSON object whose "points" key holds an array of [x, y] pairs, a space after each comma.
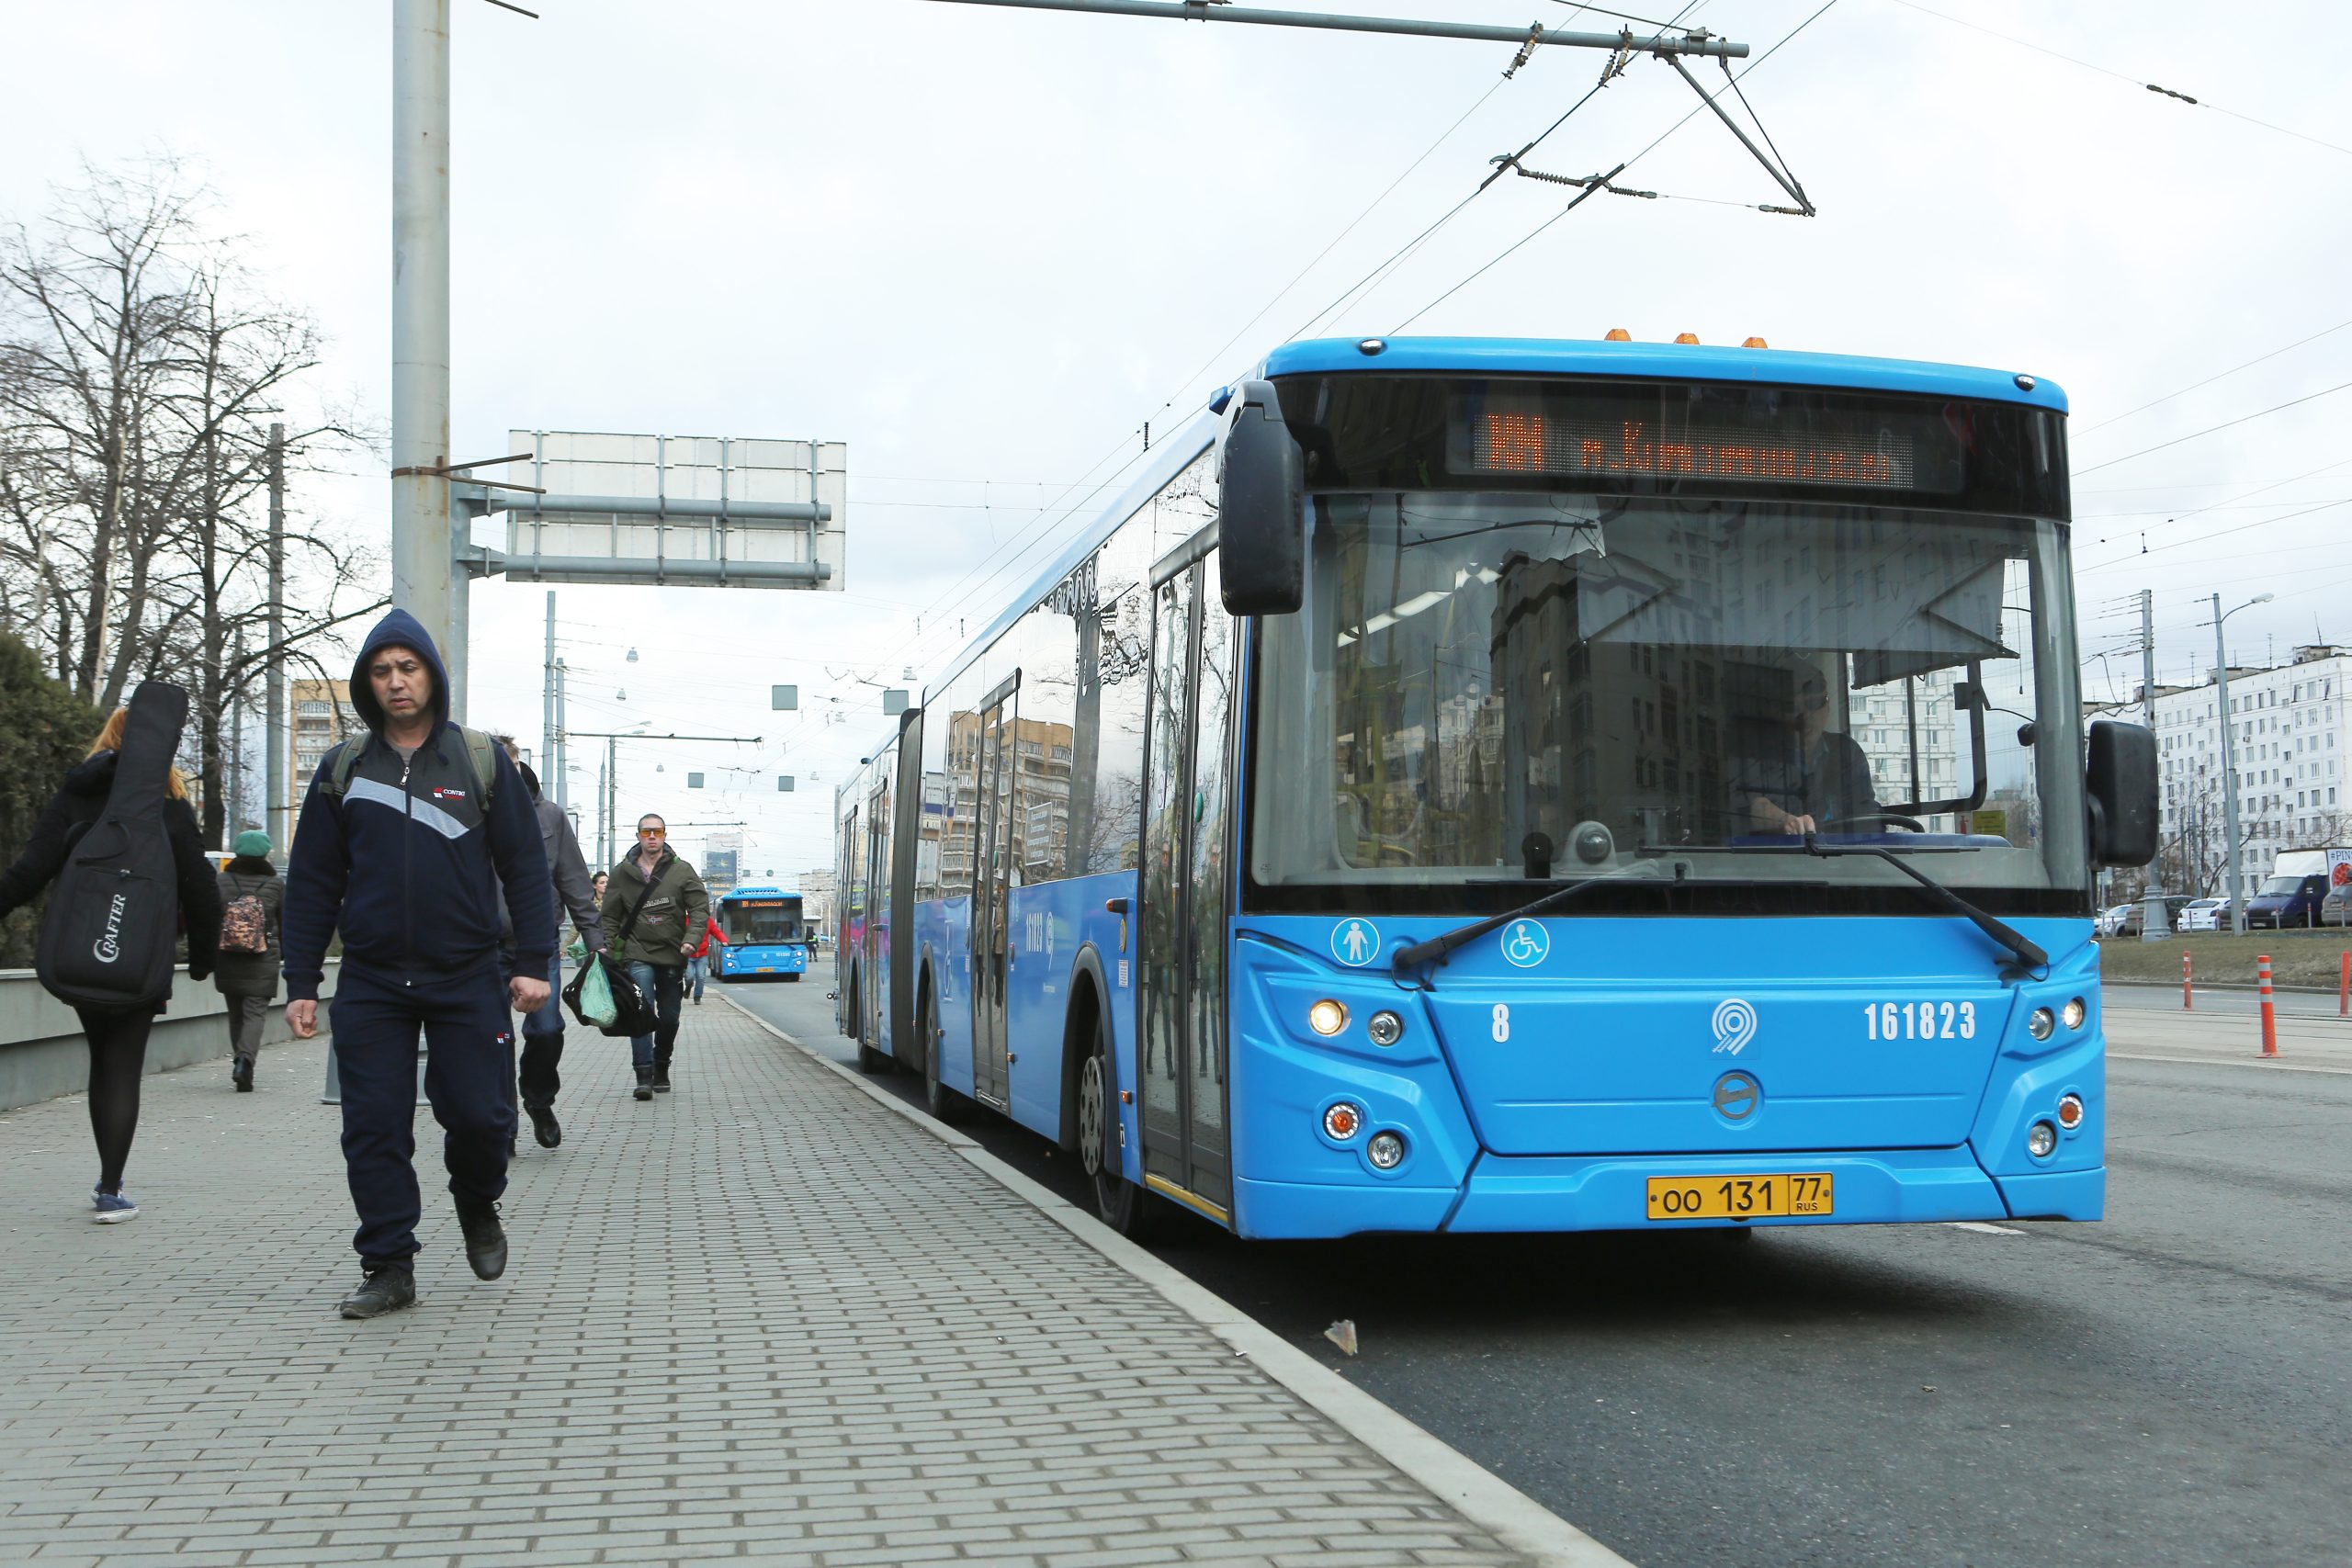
{"points": [[1124, 1207]]}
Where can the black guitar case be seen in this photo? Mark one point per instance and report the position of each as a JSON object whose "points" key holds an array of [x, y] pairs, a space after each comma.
{"points": [[113, 923]]}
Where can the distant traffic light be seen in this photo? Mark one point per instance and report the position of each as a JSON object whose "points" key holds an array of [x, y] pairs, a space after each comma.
{"points": [[783, 784]]}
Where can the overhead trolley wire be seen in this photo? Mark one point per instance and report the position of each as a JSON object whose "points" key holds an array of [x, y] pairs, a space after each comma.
{"points": [[2208, 380], [2104, 70], [2225, 424]]}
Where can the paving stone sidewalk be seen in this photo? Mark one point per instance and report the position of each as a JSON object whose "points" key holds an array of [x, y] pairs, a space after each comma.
{"points": [[763, 1317]]}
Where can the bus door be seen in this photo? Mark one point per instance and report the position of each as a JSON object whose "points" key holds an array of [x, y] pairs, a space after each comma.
{"points": [[1181, 1065], [873, 963], [991, 886]]}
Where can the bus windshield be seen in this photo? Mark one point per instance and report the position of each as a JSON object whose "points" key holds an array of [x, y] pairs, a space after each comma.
{"points": [[1480, 676], [753, 922]]}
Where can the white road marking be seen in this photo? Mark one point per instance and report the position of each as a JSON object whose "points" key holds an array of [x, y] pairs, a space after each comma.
{"points": [[1980, 1228], [2266, 1064]]}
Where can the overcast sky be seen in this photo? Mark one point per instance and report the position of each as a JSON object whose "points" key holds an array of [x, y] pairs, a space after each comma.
{"points": [[983, 246]]}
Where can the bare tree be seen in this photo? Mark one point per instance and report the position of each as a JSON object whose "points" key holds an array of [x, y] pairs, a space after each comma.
{"points": [[142, 365]]}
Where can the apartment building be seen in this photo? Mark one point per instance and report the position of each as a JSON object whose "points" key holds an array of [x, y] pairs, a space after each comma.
{"points": [[2292, 733]]}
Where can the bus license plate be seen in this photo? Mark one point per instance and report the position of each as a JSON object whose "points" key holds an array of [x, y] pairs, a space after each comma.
{"points": [[1737, 1197]]}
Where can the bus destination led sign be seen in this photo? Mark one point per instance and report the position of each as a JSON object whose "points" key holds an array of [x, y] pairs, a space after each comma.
{"points": [[1505, 441]]}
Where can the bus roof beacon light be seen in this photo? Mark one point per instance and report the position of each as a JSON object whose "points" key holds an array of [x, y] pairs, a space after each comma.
{"points": [[1755, 343], [1343, 1121], [1617, 334], [1685, 337], [1327, 1018]]}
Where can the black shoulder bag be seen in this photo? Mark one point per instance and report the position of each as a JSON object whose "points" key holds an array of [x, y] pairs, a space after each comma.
{"points": [[633, 1011]]}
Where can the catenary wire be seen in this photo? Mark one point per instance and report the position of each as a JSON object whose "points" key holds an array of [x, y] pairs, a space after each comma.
{"points": [[2211, 429], [2127, 413]]}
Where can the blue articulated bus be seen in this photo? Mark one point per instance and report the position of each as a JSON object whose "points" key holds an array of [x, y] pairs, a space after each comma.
{"points": [[767, 938], [1495, 786]]}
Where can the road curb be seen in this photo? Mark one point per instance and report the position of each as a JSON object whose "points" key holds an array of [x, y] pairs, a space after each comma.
{"points": [[1514, 1518]]}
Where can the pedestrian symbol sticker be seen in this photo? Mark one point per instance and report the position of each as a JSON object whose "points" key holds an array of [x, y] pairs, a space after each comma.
{"points": [[1355, 942], [1526, 943]]}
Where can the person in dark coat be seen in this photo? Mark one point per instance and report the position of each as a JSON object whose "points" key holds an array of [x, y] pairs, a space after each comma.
{"points": [[248, 981], [117, 1040], [1817, 776]]}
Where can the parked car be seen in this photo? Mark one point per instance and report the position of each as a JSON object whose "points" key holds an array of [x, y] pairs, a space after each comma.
{"points": [[2286, 901], [2204, 914], [2135, 916], [2335, 909], [2111, 920]]}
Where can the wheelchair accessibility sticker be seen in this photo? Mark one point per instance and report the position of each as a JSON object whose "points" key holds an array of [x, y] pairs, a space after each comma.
{"points": [[1355, 942], [1526, 944]]}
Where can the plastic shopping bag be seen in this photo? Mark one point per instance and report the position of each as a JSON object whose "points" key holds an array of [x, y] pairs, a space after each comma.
{"points": [[589, 995]]}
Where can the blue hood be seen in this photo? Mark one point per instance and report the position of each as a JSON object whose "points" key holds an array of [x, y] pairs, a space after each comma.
{"points": [[398, 627]]}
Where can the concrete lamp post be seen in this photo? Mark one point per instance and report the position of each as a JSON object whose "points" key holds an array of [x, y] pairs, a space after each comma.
{"points": [[2229, 757]]}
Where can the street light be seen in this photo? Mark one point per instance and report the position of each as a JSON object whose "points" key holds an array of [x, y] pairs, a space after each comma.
{"points": [[2229, 757]]}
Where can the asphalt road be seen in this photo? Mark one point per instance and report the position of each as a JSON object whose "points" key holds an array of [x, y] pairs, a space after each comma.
{"points": [[2172, 1386]]}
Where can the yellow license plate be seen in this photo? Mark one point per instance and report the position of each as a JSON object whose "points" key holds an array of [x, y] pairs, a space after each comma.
{"points": [[1737, 1197]]}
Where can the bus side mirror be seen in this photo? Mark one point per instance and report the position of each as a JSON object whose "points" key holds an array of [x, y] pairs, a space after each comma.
{"points": [[1261, 515], [2122, 794]]}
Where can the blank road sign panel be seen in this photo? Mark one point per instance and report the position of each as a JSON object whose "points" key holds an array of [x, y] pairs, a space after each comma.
{"points": [[704, 525]]}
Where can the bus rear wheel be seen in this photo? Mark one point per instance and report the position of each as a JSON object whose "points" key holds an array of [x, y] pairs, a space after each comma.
{"points": [[942, 1103], [1124, 1206]]}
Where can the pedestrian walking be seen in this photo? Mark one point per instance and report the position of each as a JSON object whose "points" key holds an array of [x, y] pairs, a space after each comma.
{"points": [[601, 879], [81, 822], [253, 904], [411, 838], [655, 904], [698, 966], [539, 1081]]}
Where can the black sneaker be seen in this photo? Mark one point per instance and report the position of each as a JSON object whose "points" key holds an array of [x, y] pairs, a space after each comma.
{"points": [[485, 1238], [387, 1289], [544, 1126], [242, 1075]]}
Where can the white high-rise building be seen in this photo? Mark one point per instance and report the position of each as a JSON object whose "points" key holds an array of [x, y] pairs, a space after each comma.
{"points": [[2293, 737]]}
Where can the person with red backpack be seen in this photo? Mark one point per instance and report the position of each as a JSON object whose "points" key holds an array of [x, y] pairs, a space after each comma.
{"points": [[252, 900]]}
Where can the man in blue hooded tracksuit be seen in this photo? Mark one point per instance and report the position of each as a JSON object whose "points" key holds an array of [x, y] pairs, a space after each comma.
{"points": [[398, 849]]}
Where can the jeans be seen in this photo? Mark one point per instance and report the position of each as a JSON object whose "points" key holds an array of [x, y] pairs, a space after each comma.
{"points": [[664, 986], [697, 968], [543, 1044]]}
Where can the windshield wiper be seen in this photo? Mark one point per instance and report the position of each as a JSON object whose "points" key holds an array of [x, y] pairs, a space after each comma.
{"points": [[1438, 949], [2028, 952]]}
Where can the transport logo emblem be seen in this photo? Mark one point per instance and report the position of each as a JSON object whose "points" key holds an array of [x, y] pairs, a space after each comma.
{"points": [[1526, 944], [1734, 1025], [1355, 942], [1737, 1095]]}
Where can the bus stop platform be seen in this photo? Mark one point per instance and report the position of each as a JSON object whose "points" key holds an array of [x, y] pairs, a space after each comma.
{"points": [[773, 1316]]}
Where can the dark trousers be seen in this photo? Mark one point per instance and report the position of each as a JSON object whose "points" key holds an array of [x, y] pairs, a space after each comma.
{"points": [[543, 1044], [118, 1043], [469, 1062], [665, 984]]}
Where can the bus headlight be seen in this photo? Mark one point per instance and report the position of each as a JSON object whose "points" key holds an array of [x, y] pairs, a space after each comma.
{"points": [[1386, 1028], [2040, 1139], [1327, 1017], [2073, 1013], [1387, 1151], [2040, 1023]]}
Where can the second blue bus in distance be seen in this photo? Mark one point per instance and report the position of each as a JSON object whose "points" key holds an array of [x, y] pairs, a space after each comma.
{"points": [[767, 938]]}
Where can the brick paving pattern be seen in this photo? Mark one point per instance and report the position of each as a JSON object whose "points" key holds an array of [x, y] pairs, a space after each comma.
{"points": [[763, 1317]]}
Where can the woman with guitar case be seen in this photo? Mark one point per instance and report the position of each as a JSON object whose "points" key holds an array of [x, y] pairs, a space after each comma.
{"points": [[121, 842]]}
